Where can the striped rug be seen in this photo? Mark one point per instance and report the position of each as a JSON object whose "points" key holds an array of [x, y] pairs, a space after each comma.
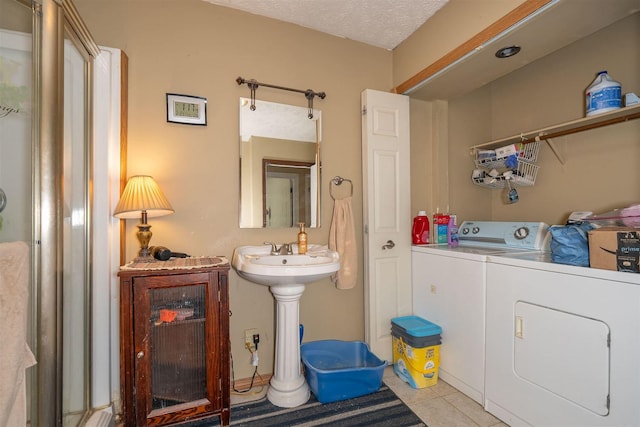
{"points": [[382, 408]]}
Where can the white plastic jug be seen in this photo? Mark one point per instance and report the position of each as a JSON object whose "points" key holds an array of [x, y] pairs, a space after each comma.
{"points": [[604, 94]]}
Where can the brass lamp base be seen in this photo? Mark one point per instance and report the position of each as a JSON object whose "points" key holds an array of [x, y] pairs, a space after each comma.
{"points": [[144, 237]]}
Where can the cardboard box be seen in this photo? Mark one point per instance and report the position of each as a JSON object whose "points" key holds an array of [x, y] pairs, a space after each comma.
{"points": [[615, 248]]}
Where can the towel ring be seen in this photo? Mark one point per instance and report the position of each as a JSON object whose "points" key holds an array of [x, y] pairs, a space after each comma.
{"points": [[338, 180]]}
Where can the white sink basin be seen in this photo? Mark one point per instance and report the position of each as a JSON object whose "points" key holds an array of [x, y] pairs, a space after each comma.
{"points": [[286, 276], [256, 264]]}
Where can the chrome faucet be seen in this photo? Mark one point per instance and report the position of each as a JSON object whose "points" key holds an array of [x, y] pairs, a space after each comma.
{"points": [[284, 249]]}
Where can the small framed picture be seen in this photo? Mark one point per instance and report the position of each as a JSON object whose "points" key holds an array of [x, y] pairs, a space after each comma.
{"points": [[186, 109]]}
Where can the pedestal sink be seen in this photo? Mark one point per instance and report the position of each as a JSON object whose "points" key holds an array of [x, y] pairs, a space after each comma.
{"points": [[286, 275]]}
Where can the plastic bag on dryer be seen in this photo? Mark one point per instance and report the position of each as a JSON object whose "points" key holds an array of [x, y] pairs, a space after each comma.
{"points": [[570, 243]]}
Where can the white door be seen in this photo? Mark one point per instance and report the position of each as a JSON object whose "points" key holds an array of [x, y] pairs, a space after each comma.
{"points": [[278, 203], [387, 215]]}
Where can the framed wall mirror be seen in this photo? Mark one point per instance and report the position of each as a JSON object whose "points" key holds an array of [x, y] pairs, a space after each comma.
{"points": [[279, 165]]}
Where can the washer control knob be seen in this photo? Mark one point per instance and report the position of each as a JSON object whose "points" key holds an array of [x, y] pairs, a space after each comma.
{"points": [[521, 233], [465, 230], [475, 230]]}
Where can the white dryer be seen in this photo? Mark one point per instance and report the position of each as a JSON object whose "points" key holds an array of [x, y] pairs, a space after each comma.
{"points": [[562, 343]]}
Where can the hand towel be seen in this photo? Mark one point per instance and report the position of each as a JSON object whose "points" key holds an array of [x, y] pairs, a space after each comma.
{"points": [[15, 356], [342, 239]]}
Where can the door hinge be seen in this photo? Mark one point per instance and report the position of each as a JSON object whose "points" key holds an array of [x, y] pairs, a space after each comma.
{"points": [[364, 111], [609, 340], [608, 401], [366, 229]]}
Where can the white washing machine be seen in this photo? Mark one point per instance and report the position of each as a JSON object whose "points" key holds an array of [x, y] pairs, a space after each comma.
{"points": [[562, 343], [449, 286]]}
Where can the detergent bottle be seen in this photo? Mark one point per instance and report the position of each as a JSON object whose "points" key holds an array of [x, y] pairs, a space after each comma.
{"points": [[420, 231]]}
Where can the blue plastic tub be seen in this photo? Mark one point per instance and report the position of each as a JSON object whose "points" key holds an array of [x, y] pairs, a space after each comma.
{"points": [[339, 370]]}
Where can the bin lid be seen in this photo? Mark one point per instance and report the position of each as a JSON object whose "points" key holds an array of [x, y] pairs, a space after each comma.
{"points": [[417, 326]]}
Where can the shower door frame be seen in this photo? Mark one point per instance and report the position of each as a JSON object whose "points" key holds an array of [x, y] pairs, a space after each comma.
{"points": [[51, 19], [104, 72], [103, 76]]}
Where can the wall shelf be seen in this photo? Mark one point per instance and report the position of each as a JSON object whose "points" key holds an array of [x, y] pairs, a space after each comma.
{"points": [[566, 128]]}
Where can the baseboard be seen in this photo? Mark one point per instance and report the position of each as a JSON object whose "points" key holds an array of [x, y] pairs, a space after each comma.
{"points": [[245, 383]]}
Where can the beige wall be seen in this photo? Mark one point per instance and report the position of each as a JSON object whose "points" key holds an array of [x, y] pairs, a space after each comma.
{"points": [[421, 155], [601, 169], [15, 16], [193, 47]]}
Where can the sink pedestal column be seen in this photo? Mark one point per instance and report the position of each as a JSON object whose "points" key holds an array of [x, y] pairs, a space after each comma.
{"points": [[288, 387]]}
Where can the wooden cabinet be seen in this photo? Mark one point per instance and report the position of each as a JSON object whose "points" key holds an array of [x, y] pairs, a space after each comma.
{"points": [[174, 341]]}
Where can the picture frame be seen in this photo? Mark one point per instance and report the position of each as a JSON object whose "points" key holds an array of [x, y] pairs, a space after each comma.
{"points": [[186, 109]]}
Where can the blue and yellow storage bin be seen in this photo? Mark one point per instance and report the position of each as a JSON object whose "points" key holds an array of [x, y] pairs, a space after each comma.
{"points": [[416, 350]]}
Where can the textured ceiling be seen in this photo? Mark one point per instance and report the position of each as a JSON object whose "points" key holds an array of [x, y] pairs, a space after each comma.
{"points": [[381, 23]]}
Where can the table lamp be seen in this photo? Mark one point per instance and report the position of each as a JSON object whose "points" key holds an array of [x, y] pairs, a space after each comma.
{"points": [[142, 198]]}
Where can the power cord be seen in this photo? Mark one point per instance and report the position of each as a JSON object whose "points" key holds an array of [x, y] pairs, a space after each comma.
{"points": [[254, 362]]}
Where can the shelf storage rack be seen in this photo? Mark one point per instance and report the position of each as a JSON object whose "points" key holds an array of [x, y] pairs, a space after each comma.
{"points": [[489, 162], [529, 143]]}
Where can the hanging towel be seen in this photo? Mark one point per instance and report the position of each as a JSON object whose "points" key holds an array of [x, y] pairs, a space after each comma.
{"points": [[15, 356], [342, 239]]}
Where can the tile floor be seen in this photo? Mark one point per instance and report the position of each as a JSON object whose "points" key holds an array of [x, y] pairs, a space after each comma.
{"points": [[441, 405], [438, 406]]}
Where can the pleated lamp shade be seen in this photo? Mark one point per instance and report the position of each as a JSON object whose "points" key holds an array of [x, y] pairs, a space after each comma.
{"points": [[142, 194]]}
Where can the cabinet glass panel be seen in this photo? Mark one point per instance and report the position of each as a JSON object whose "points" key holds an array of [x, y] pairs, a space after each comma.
{"points": [[178, 345]]}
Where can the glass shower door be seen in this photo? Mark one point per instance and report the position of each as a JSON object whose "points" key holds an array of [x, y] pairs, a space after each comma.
{"points": [[76, 280], [16, 75], [16, 166], [44, 198]]}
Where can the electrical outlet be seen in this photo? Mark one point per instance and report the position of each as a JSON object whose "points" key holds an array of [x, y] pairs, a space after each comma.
{"points": [[248, 337]]}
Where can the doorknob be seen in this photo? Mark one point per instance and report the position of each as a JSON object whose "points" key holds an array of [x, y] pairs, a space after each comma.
{"points": [[388, 245]]}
